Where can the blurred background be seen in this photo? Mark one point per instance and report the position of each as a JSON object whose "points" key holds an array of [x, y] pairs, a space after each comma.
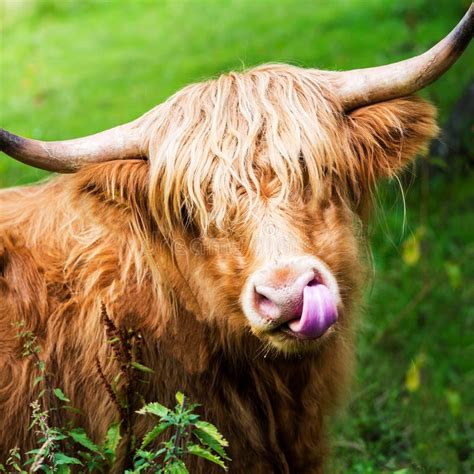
{"points": [[70, 68]]}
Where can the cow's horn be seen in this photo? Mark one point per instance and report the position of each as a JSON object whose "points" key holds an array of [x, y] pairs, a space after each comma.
{"points": [[360, 87], [122, 142]]}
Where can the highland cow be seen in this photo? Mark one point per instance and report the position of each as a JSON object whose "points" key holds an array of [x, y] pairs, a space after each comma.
{"points": [[226, 226]]}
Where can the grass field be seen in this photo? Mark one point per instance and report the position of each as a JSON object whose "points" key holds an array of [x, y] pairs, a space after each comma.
{"points": [[70, 68]]}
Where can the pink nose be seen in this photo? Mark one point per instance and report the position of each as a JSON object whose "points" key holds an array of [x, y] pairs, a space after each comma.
{"points": [[282, 301], [299, 296]]}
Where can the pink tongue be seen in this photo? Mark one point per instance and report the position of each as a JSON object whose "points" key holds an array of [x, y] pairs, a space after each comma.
{"points": [[319, 312]]}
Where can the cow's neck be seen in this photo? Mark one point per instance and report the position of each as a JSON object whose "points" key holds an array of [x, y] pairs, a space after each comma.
{"points": [[249, 396]]}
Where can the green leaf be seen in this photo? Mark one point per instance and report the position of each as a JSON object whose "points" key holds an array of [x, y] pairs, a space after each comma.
{"points": [[454, 274], [72, 409], [412, 380], [153, 434], [117, 378], [208, 440], [80, 436], [62, 459], [112, 438], [35, 452], [196, 450], [413, 377], [154, 408], [142, 368], [180, 398], [176, 467], [59, 393], [411, 248], [63, 469], [454, 402], [212, 431], [37, 380]]}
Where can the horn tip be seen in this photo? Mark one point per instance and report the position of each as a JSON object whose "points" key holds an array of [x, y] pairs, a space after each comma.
{"points": [[9, 142], [464, 32]]}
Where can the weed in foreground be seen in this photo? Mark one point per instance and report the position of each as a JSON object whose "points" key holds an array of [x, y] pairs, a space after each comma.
{"points": [[65, 449]]}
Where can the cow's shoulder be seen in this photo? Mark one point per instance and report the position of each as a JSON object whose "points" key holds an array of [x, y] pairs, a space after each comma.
{"points": [[23, 291]]}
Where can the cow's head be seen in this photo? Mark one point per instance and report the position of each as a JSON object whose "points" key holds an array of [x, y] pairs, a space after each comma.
{"points": [[258, 185]]}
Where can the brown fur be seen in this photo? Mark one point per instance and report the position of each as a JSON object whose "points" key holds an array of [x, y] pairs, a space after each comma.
{"points": [[168, 244]]}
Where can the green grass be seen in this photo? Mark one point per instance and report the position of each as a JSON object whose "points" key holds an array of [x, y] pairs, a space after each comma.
{"points": [[419, 321], [72, 68]]}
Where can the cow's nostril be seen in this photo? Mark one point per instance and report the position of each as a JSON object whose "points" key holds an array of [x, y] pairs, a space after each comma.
{"points": [[265, 305], [262, 298]]}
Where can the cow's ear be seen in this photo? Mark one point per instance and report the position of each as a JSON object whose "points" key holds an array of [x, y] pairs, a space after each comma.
{"points": [[114, 191], [121, 182], [385, 137]]}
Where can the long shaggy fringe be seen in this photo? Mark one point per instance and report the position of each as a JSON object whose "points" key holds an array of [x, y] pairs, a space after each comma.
{"points": [[212, 143]]}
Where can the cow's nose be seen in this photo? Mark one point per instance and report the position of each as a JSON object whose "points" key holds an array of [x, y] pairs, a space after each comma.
{"points": [[300, 295], [280, 299]]}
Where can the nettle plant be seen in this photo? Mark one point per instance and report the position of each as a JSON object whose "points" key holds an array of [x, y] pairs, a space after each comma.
{"points": [[65, 449]]}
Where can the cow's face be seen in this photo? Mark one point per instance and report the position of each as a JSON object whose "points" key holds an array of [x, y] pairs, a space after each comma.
{"points": [[259, 184], [286, 273]]}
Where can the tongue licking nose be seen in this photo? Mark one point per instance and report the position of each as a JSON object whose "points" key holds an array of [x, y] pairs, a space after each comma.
{"points": [[299, 296], [319, 312]]}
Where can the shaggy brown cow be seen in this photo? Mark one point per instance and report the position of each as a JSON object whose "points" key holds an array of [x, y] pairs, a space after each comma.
{"points": [[226, 225]]}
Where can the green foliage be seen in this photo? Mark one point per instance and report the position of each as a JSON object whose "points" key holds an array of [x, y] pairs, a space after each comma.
{"points": [[111, 442], [80, 437], [61, 448], [59, 393], [186, 439], [210, 436], [411, 406], [138, 366], [28, 339], [13, 463]]}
